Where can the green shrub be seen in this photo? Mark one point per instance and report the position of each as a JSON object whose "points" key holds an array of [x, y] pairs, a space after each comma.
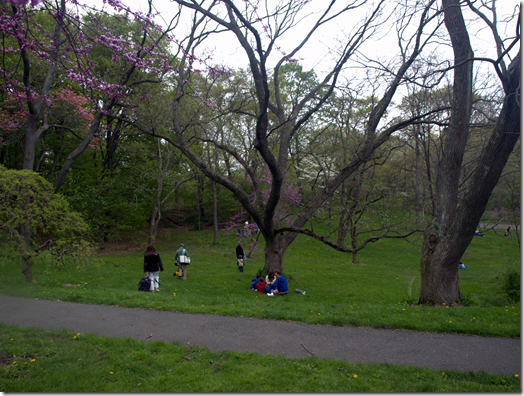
{"points": [[509, 282]]}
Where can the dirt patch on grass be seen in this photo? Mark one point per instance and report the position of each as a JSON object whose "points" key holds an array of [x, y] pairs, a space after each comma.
{"points": [[137, 241], [6, 360]]}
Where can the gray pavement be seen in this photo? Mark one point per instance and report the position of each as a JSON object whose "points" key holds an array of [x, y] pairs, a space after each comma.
{"points": [[290, 339]]}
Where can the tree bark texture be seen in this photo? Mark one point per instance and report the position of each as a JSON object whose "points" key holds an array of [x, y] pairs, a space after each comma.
{"points": [[453, 227], [22, 240], [274, 252]]}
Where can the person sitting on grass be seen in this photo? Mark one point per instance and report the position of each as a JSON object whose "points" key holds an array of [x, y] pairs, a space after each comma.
{"points": [[254, 282], [280, 284], [270, 278], [261, 286]]}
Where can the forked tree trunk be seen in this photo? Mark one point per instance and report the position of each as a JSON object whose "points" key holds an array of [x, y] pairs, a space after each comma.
{"points": [[440, 259], [448, 237]]}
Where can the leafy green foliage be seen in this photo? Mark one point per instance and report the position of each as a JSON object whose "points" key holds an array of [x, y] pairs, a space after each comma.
{"points": [[508, 282], [28, 200]]}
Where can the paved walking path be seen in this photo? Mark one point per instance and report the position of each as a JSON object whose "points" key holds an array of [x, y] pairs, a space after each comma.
{"points": [[290, 339]]}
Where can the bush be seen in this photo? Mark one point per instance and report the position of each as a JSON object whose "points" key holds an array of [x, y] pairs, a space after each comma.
{"points": [[509, 282]]}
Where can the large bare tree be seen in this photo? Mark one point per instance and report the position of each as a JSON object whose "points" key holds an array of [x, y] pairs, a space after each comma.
{"points": [[277, 122], [456, 216]]}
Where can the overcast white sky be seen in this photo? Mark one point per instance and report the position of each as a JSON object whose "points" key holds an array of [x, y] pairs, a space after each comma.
{"points": [[228, 51]]}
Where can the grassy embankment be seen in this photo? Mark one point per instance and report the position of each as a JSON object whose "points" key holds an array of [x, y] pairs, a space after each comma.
{"points": [[374, 293]]}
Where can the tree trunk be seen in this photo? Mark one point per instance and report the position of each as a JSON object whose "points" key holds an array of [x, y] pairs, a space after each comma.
{"points": [[342, 229], [215, 199], [274, 252], [215, 212], [417, 177], [448, 237], [23, 240], [440, 259], [439, 270], [27, 269], [155, 220], [354, 244], [30, 142], [79, 150]]}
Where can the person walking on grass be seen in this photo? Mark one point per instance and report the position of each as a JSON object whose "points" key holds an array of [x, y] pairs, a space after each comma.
{"points": [[182, 259], [152, 264]]}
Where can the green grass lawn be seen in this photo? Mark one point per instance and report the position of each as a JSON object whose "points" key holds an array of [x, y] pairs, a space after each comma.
{"points": [[374, 293], [61, 361]]}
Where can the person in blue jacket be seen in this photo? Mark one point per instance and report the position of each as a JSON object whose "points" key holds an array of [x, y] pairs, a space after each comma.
{"points": [[280, 284], [254, 282]]}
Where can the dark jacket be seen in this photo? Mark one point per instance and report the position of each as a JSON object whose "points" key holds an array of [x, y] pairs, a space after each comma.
{"points": [[152, 261], [240, 251]]}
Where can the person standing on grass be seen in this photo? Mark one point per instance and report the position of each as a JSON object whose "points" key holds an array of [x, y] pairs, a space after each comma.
{"points": [[182, 258], [240, 257], [152, 263], [280, 284]]}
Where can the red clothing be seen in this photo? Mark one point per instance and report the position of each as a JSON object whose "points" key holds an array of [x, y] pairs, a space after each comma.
{"points": [[260, 287]]}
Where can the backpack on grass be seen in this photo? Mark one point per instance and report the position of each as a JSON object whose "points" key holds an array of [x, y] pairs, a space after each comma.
{"points": [[144, 284]]}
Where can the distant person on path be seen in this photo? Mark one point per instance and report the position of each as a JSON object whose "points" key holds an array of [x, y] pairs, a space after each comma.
{"points": [[508, 231], [280, 284], [240, 257], [182, 258], [152, 263]]}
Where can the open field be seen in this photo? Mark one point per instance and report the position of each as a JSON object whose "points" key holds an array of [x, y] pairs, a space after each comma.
{"points": [[374, 293]]}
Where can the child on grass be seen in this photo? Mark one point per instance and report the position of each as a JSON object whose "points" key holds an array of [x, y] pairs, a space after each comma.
{"points": [[254, 282], [261, 286]]}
